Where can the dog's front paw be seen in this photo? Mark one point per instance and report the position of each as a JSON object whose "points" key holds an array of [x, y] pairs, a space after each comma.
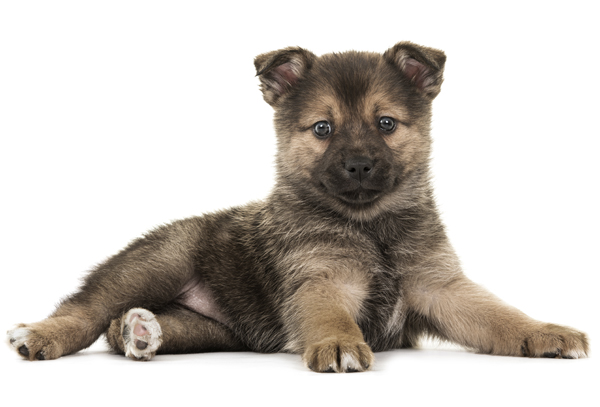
{"points": [[142, 335], [338, 355], [555, 341], [30, 343]]}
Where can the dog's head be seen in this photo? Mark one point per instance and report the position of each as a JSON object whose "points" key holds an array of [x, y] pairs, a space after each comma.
{"points": [[353, 128]]}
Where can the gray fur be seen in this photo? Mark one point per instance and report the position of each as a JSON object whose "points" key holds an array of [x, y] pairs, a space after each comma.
{"points": [[321, 267]]}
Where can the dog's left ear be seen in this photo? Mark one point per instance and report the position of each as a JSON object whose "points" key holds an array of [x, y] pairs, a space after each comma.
{"points": [[279, 71], [422, 66]]}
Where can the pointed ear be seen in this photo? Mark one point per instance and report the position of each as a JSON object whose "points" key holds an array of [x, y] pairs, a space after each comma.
{"points": [[422, 66], [279, 71]]}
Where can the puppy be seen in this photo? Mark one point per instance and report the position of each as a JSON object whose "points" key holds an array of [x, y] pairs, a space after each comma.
{"points": [[346, 257]]}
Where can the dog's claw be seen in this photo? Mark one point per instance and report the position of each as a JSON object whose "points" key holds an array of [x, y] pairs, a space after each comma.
{"points": [[24, 351]]}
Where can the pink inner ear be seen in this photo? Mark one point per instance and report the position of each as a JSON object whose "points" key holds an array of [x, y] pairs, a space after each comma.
{"points": [[417, 72], [285, 75]]}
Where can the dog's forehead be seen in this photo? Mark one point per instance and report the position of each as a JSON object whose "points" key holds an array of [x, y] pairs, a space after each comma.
{"points": [[351, 84], [349, 75]]}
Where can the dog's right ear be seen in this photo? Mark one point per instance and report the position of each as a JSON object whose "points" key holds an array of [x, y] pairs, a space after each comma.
{"points": [[279, 71]]}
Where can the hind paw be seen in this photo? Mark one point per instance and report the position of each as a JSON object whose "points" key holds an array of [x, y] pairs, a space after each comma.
{"points": [[142, 335]]}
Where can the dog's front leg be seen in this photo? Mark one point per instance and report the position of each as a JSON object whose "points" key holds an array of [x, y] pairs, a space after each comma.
{"points": [[456, 309], [323, 324]]}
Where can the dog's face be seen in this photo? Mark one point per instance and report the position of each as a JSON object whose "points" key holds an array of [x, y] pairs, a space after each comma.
{"points": [[353, 128]]}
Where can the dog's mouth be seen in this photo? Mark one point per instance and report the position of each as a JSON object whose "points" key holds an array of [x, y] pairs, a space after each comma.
{"points": [[360, 196], [356, 197]]}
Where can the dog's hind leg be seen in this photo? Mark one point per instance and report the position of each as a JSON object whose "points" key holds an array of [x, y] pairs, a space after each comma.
{"points": [[140, 334], [149, 273]]}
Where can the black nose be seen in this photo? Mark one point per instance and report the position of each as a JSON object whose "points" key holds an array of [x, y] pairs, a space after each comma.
{"points": [[359, 168]]}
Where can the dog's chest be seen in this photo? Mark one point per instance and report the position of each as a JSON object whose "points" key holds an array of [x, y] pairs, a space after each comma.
{"points": [[383, 316], [382, 312]]}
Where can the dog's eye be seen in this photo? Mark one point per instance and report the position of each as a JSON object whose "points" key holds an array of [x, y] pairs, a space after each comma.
{"points": [[322, 129], [387, 124]]}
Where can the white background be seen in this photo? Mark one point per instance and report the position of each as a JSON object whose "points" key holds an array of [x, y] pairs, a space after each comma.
{"points": [[117, 116]]}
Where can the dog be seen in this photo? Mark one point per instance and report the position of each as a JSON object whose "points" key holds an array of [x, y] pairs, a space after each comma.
{"points": [[346, 257]]}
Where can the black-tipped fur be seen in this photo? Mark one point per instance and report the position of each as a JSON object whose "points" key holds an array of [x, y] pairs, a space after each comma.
{"points": [[330, 265]]}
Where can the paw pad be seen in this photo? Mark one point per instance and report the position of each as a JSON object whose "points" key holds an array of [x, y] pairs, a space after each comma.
{"points": [[142, 334]]}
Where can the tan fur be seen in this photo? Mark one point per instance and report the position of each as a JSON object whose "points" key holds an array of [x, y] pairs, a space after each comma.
{"points": [[407, 141], [465, 313], [323, 277], [55, 337], [329, 331], [305, 148], [346, 256]]}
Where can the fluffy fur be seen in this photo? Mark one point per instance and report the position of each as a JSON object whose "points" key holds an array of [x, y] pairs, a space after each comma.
{"points": [[346, 257]]}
